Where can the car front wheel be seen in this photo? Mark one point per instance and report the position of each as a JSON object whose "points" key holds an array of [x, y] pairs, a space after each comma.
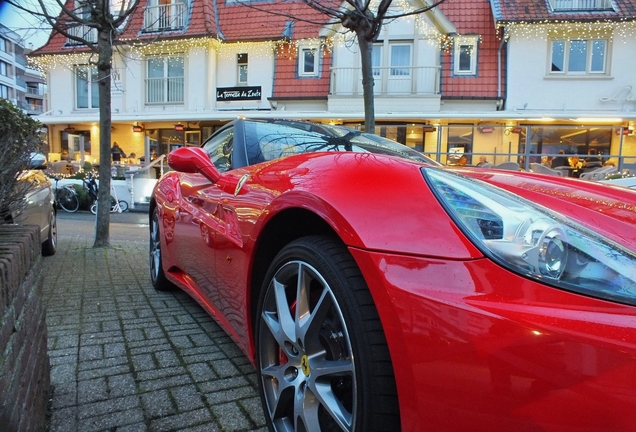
{"points": [[157, 275], [322, 359], [49, 247]]}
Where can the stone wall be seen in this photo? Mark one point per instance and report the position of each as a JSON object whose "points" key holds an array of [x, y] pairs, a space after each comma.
{"points": [[24, 361]]}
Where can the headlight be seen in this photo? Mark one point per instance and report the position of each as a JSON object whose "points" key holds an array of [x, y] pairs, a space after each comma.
{"points": [[534, 241]]}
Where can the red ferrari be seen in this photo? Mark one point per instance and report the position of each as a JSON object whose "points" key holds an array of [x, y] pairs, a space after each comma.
{"points": [[376, 290]]}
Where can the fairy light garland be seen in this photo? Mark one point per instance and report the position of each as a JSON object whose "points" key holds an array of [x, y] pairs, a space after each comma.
{"points": [[624, 29], [182, 47]]}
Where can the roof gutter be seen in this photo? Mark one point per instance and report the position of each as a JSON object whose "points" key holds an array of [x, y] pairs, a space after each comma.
{"points": [[500, 101]]}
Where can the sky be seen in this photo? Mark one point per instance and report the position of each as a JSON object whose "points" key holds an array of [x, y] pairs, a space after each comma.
{"points": [[26, 25]]}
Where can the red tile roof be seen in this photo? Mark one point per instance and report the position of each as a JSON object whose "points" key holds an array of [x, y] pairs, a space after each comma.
{"points": [[215, 18], [534, 10], [288, 86], [241, 23], [472, 17]]}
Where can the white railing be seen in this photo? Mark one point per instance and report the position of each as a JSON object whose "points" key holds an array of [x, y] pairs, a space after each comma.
{"points": [[423, 80], [581, 5], [165, 90], [35, 91], [164, 17], [87, 33]]}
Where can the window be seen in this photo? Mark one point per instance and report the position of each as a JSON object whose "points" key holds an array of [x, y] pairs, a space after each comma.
{"points": [[4, 91], [578, 56], [308, 62], [86, 88], [165, 80], [4, 68], [465, 55], [376, 59], [4, 45], [242, 68], [400, 59]]}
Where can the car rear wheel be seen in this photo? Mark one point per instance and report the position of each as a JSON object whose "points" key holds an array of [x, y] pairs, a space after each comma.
{"points": [[322, 359], [49, 247], [157, 276]]}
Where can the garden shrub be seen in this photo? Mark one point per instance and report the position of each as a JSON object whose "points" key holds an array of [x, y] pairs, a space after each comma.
{"points": [[18, 140]]}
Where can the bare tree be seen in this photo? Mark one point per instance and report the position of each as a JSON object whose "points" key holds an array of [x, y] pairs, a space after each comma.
{"points": [[95, 24], [364, 18]]}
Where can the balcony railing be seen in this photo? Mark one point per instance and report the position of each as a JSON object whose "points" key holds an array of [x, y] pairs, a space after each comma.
{"points": [[164, 90], [581, 5], [87, 33], [31, 108], [418, 81], [34, 91], [164, 17]]}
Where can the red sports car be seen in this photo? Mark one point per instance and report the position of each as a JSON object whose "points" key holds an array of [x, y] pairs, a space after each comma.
{"points": [[376, 290]]}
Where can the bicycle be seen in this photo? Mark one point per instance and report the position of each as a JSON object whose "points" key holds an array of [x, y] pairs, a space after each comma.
{"points": [[66, 197], [116, 205]]}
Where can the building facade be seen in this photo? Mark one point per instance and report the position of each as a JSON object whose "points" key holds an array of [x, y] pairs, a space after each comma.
{"points": [[19, 84], [508, 82]]}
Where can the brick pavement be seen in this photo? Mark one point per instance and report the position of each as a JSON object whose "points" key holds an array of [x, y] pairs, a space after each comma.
{"points": [[127, 358]]}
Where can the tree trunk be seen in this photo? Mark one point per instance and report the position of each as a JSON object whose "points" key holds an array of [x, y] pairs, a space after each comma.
{"points": [[366, 49], [102, 226]]}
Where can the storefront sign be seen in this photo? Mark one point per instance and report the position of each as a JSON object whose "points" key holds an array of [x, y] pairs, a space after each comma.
{"points": [[238, 93], [625, 94]]}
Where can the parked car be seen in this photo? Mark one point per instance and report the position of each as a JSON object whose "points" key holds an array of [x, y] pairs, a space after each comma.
{"points": [[376, 290], [40, 206]]}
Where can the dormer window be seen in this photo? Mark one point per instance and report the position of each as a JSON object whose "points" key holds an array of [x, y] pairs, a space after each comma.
{"points": [[581, 5], [465, 55], [308, 62], [164, 15]]}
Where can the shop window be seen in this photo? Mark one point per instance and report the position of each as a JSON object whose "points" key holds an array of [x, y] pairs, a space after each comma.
{"points": [[460, 144]]}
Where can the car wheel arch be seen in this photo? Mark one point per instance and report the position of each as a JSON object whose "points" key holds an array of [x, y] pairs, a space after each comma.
{"points": [[283, 228]]}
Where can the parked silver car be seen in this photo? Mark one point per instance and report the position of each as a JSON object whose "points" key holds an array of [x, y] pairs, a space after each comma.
{"points": [[40, 204]]}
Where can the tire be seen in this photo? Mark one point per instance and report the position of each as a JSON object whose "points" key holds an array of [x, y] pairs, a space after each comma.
{"points": [[123, 205], [68, 200], [94, 207], [49, 247], [328, 366], [157, 275]]}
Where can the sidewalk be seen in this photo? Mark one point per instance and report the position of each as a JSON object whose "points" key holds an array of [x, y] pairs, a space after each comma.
{"points": [[127, 358]]}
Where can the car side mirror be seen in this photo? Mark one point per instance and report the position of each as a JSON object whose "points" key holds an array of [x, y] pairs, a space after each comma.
{"points": [[193, 160]]}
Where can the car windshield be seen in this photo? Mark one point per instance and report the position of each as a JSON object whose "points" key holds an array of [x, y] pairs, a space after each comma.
{"points": [[271, 140]]}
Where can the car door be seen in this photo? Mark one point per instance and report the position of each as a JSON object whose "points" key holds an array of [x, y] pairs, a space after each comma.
{"points": [[202, 220], [37, 209]]}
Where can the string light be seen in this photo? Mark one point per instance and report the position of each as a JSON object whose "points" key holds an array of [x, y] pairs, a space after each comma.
{"points": [[623, 29], [191, 46]]}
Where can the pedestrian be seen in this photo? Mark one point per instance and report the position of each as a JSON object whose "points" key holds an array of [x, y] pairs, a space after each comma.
{"points": [[117, 153]]}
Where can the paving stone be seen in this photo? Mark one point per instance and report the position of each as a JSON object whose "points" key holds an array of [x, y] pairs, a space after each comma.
{"points": [[231, 416], [127, 358]]}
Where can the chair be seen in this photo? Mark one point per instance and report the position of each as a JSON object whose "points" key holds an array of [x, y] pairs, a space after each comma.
{"points": [[598, 173], [542, 169], [513, 166], [486, 165]]}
